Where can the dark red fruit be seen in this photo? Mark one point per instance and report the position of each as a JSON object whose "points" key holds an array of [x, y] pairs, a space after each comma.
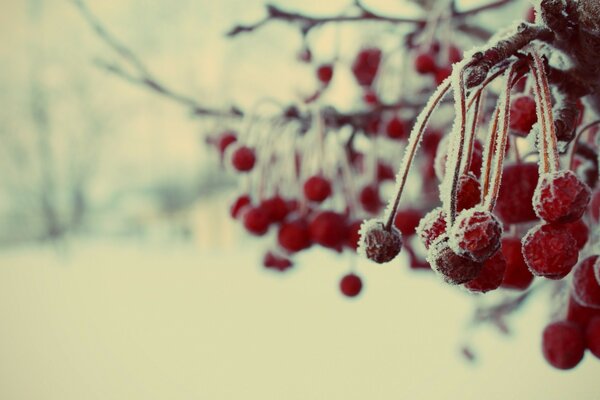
{"points": [[243, 159], [276, 208], [592, 336], [549, 251], [586, 289], [329, 229], [294, 236], [317, 189], [395, 129], [370, 97], [514, 204], [432, 226], [256, 221], [239, 204], [442, 73], [468, 193], [225, 140], [425, 63], [279, 263], [379, 244], [476, 234], [325, 73], [453, 268], [370, 200], [353, 235], [579, 314], [407, 221], [522, 114], [580, 231], [561, 197], [385, 172], [491, 275], [454, 54], [366, 65], [351, 285], [563, 344], [517, 275]]}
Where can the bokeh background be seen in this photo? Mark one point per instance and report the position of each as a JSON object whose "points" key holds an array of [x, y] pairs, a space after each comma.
{"points": [[121, 274]]}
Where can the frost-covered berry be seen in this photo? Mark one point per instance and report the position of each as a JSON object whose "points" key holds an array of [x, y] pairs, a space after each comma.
{"points": [[274, 261], [256, 221], [522, 114], [453, 268], [549, 251], [514, 204], [580, 231], [378, 243], [395, 129], [353, 235], [294, 236], [407, 220], [325, 73], [586, 289], [239, 204], [476, 234], [561, 197], [243, 159], [491, 275], [592, 336], [563, 344], [468, 193], [517, 275], [351, 285], [370, 200], [317, 189], [329, 229], [432, 226]]}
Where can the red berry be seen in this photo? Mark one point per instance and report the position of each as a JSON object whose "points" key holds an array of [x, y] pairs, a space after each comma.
{"points": [[453, 268], [442, 73], [592, 336], [256, 221], [325, 73], [468, 193], [563, 344], [407, 221], [491, 275], [530, 17], [239, 204], [329, 229], [517, 275], [425, 63], [586, 289], [353, 235], [476, 234], [273, 261], [514, 204], [561, 197], [294, 236], [370, 97], [549, 251], [243, 159], [317, 189], [454, 54], [379, 244], [432, 226], [522, 114], [395, 129], [366, 65], [351, 285], [225, 140], [580, 231], [579, 314], [385, 172], [276, 208], [370, 200]]}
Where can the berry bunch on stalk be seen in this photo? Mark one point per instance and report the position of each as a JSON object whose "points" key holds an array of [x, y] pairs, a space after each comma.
{"points": [[503, 177]]}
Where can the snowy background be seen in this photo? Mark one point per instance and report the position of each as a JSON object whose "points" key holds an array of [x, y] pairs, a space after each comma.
{"points": [[150, 291]]}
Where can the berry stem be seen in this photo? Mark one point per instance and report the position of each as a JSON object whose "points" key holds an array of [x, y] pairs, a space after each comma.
{"points": [[488, 153], [413, 143]]}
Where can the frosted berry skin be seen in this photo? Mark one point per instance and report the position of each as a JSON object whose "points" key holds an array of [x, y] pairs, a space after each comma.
{"points": [[586, 289], [366, 65], [517, 275], [256, 221], [407, 221], [432, 226], [239, 204], [243, 159], [378, 244], [395, 129], [476, 234], [549, 251], [563, 344], [580, 231], [592, 336], [522, 115], [325, 73], [351, 285], [353, 235], [279, 263], [491, 275], [317, 189], [453, 268], [561, 197], [468, 192], [514, 204], [329, 229], [294, 236]]}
